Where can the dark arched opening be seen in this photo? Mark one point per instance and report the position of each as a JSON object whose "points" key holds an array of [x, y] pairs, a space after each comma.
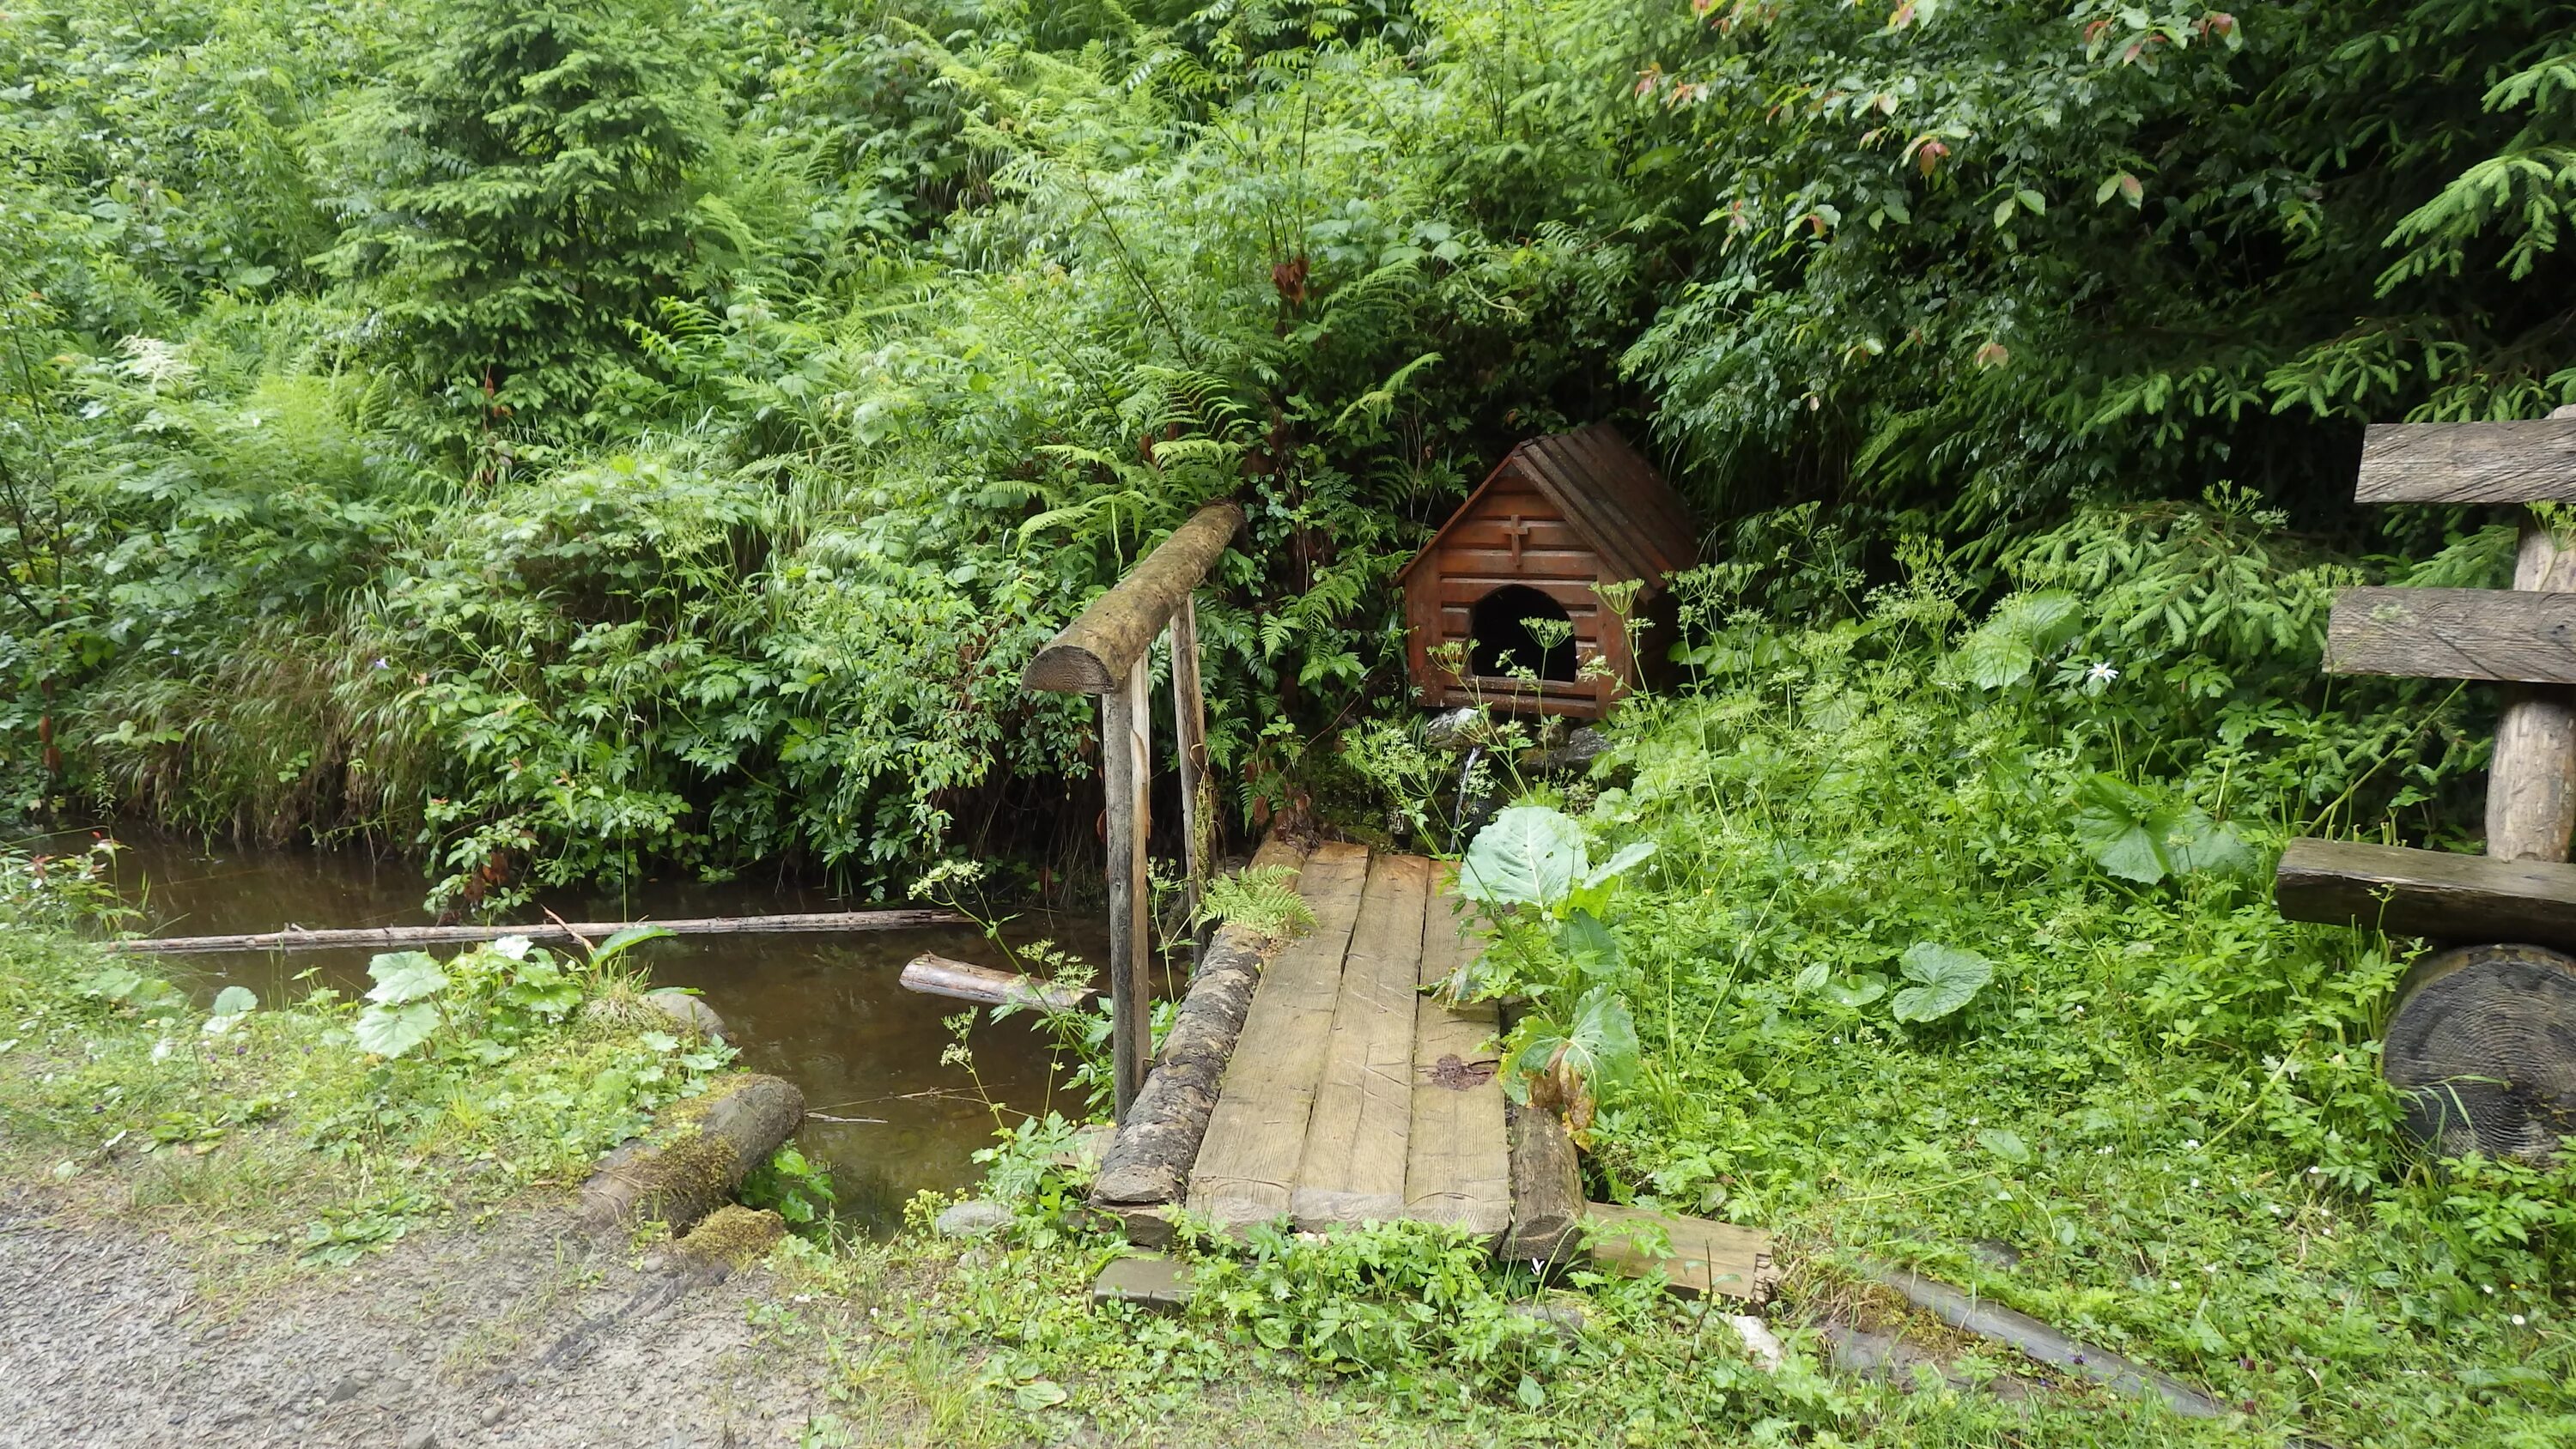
{"points": [[1501, 640]]}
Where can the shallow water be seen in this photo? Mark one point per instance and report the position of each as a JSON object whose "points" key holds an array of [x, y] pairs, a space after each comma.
{"points": [[823, 1011]]}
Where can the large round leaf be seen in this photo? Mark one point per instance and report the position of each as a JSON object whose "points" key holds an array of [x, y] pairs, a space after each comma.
{"points": [[1528, 855], [1946, 979]]}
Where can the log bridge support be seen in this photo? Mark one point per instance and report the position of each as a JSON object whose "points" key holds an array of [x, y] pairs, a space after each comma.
{"points": [[2483, 1037], [1104, 652]]}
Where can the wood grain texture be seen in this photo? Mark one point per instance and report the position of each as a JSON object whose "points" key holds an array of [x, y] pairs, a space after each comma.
{"points": [[2427, 892], [2509, 462], [1458, 1163], [1547, 1189], [2483, 1044], [1125, 755], [1353, 1167], [1149, 1162], [1094, 653], [2453, 634], [1189, 741], [1257, 1132], [2531, 776], [1698, 1258]]}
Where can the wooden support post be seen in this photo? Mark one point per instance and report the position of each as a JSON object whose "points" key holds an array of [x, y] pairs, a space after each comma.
{"points": [[1125, 723], [1189, 733], [2531, 781]]}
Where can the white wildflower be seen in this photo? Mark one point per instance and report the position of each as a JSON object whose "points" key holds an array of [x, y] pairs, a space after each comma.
{"points": [[514, 947]]}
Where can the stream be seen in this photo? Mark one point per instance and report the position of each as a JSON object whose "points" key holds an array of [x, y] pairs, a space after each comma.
{"points": [[823, 1011]]}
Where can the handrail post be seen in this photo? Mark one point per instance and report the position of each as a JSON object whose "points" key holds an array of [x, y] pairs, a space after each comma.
{"points": [[1107, 650], [1126, 722], [1189, 737]]}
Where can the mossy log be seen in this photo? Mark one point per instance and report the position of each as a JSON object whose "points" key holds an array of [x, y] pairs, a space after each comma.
{"points": [[1148, 1166], [690, 1163]]}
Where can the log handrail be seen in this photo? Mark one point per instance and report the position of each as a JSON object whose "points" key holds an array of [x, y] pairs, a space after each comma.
{"points": [[1093, 653], [1104, 652]]}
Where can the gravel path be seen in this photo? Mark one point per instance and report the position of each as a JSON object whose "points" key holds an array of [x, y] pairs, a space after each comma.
{"points": [[526, 1334]]}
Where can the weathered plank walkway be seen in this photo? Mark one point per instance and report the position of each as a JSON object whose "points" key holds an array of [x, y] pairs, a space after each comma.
{"points": [[1340, 1093], [1351, 1097]]}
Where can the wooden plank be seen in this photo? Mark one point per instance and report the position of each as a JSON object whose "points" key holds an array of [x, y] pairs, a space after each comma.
{"points": [[1458, 1162], [1125, 717], [2453, 634], [1257, 1132], [2427, 892], [1353, 1167], [1149, 1163], [1697, 1257], [2509, 462]]}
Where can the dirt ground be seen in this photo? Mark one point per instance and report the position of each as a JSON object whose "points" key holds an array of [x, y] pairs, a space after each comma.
{"points": [[527, 1334]]}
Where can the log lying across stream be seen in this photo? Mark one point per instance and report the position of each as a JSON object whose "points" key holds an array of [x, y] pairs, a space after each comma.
{"points": [[934, 975], [295, 938]]}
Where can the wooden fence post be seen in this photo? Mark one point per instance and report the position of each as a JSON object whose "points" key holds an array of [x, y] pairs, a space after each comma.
{"points": [[1126, 720], [1189, 734]]}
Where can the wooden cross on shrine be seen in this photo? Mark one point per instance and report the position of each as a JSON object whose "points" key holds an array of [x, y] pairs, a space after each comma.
{"points": [[2483, 1038], [1516, 533]]}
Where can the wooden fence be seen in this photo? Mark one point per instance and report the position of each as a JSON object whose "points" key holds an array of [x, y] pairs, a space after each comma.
{"points": [[1106, 652]]}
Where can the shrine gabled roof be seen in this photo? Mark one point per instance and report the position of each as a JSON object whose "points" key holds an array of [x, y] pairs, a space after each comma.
{"points": [[1611, 497]]}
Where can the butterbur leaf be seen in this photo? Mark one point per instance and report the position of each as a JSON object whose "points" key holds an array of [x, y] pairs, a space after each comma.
{"points": [[1588, 942], [2015, 637], [2137, 836], [1946, 978], [2004, 1144], [404, 976], [1857, 991], [235, 1000], [1527, 855], [1603, 1043], [1039, 1394], [1628, 858], [390, 1031], [1811, 978]]}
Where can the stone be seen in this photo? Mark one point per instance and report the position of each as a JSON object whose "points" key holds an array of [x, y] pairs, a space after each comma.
{"points": [[687, 1012], [734, 1235], [1758, 1341], [421, 1439], [1150, 1281], [349, 1387], [491, 1415], [1567, 1319], [1995, 1253], [973, 1218]]}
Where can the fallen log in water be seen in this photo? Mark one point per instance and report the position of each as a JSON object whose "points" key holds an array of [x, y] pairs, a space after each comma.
{"points": [[939, 976], [299, 939]]}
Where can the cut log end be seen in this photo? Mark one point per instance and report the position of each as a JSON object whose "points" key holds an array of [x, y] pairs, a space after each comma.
{"points": [[2483, 1043]]}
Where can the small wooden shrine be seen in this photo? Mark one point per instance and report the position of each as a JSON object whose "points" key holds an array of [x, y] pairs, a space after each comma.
{"points": [[1505, 606]]}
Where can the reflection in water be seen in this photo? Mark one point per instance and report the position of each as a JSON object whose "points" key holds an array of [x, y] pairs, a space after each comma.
{"points": [[823, 1011]]}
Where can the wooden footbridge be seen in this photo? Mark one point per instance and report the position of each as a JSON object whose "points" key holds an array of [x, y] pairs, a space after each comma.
{"points": [[1315, 1084]]}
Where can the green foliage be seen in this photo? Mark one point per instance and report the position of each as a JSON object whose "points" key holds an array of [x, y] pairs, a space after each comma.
{"points": [[519, 194], [1261, 899], [1945, 979], [794, 1186]]}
